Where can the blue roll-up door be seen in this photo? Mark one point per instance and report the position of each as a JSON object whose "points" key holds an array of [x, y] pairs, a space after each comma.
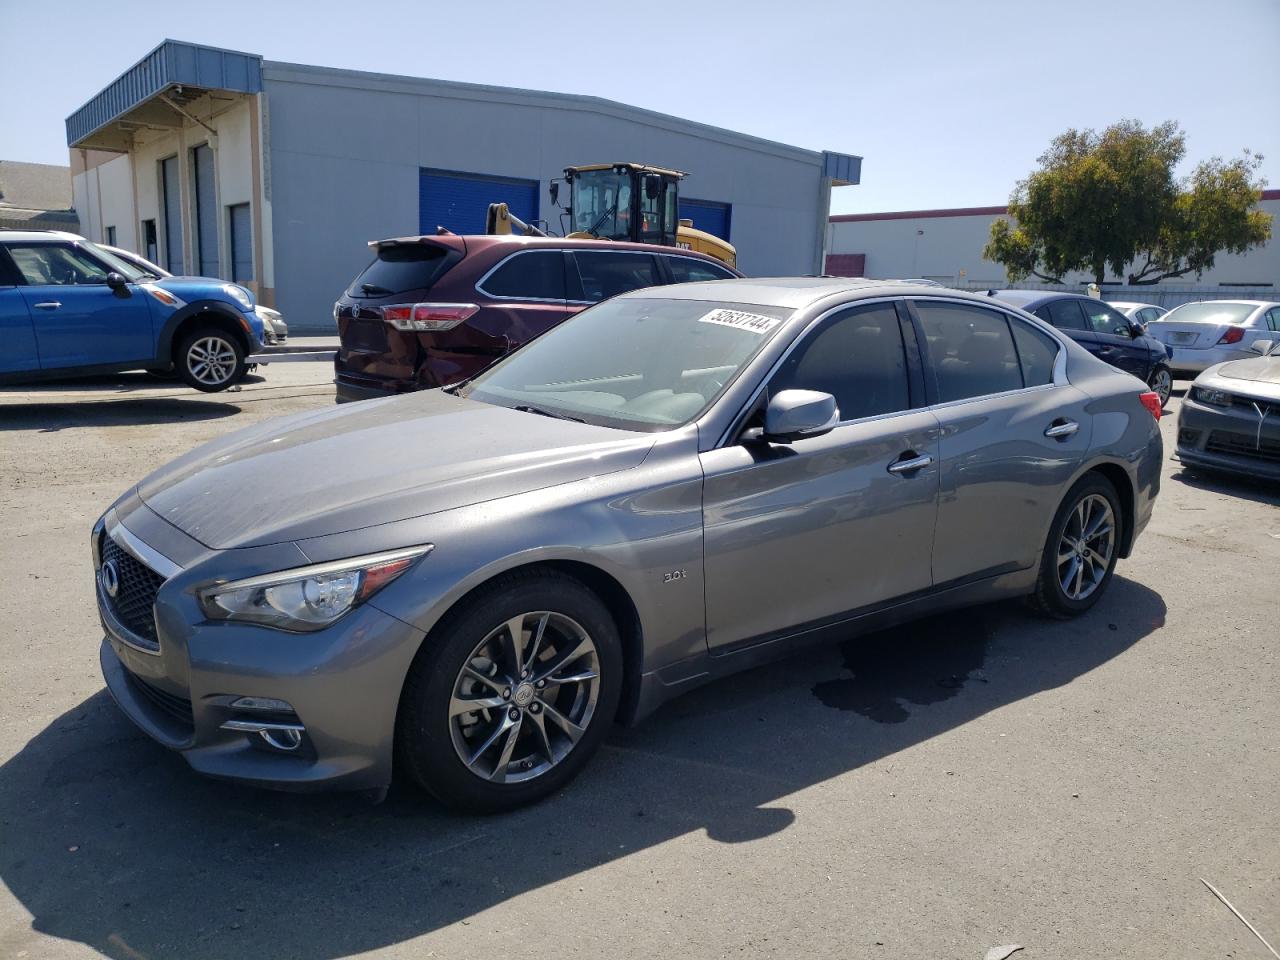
{"points": [[707, 215], [172, 216], [460, 201], [206, 212], [241, 243]]}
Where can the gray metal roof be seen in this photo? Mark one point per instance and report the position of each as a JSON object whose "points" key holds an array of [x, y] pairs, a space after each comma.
{"points": [[172, 64]]}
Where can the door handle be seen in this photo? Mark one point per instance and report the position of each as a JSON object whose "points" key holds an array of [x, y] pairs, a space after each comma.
{"points": [[49, 305], [1061, 429], [909, 463]]}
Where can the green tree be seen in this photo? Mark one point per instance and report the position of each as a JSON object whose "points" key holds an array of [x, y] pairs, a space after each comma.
{"points": [[1106, 201]]}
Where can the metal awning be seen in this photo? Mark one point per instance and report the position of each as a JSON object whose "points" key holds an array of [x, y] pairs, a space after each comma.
{"points": [[843, 169], [154, 90]]}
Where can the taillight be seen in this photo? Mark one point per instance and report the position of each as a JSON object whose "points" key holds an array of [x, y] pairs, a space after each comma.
{"points": [[1233, 335], [428, 317], [1151, 400]]}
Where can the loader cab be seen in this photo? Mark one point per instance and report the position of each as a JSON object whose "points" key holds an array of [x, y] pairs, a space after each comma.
{"points": [[622, 201]]}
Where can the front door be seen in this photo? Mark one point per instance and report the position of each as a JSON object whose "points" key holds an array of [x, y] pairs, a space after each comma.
{"points": [[1114, 341], [805, 532], [1012, 437], [78, 319]]}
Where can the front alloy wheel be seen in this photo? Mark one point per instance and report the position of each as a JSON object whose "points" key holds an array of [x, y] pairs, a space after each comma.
{"points": [[211, 360], [524, 697]]}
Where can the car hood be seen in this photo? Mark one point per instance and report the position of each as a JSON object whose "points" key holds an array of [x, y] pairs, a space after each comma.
{"points": [[1257, 376], [375, 462]]}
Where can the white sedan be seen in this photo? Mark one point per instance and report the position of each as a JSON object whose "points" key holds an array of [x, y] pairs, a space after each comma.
{"points": [[1144, 313], [1199, 335]]}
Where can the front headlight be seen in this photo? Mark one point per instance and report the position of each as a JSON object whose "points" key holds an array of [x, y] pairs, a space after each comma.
{"points": [[1217, 398], [307, 598], [239, 294]]}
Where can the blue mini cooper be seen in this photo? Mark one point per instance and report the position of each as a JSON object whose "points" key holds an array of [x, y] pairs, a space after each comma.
{"points": [[69, 307]]}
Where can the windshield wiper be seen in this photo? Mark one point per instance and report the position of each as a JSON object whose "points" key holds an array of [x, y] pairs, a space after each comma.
{"points": [[526, 408], [371, 289]]}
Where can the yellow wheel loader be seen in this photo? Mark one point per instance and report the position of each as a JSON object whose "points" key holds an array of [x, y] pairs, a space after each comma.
{"points": [[621, 201]]}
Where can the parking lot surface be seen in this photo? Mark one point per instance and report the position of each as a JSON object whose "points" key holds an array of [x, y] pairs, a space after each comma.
{"points": [[978, 779]]}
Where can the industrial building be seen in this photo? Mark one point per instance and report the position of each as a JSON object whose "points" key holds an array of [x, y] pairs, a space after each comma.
{"points": [[276, 175], [946, 246], [36, 196]]}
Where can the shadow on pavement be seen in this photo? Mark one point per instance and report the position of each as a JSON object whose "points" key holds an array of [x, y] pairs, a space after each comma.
{"points": [[1230, 484], [61, 414], [111, 841]]}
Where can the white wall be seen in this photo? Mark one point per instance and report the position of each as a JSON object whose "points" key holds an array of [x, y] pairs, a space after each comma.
{"points": [[949, 249], [103, 197]]}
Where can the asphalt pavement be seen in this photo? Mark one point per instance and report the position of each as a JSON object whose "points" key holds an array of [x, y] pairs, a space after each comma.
{"points": [[981, 779]]}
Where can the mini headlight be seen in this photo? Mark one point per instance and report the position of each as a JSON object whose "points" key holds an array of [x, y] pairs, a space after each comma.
{"points": [[239, 294], [307, 598], [1217, 398]]}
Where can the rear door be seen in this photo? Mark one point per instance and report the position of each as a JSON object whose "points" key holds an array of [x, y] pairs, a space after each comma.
{"points": [[802, 533], [1013, 432], [1114, 339], [18, 352], [78, 319], [527, 296]]}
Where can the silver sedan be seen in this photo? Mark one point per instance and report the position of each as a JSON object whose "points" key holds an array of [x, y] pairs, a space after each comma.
{"points": [[679, 483], [1199, 335]]}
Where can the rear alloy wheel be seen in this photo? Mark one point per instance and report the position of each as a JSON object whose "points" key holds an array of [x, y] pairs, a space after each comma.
{"points": [[1162, 383], [511, 694], [1083, 547], [210, 360]]}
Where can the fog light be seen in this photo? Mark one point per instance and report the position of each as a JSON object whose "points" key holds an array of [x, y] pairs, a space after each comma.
{"points": [[281, 736], [262, 703]]}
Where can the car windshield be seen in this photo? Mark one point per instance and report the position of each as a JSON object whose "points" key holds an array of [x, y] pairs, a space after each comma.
{"points": [[638, 363], [117, 264], [1210, 312]]}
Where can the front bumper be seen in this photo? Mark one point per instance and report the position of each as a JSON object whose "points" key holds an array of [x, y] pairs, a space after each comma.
{"points": [[1233, 439], [342, 685]]}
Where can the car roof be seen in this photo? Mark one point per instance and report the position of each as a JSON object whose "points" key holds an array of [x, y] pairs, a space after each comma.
{"points": [[25, 236], [484, 241], [1133, 303], [794, 292], [1243, 303], [1025, 299]]}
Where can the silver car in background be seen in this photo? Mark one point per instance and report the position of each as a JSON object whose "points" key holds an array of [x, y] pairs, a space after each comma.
{"points": [[1199, 335], [681, 482], [1230, 418], [1143, 313]]}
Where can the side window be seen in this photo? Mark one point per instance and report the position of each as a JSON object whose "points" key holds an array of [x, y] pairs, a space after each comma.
{"points": [[688, 270], [536, 275], [1273, 319], [1063, 314], [970, 349], [605, 275], [1150, 315], [55, 264], [1102, 319], [858, 358], [1036, 353]]}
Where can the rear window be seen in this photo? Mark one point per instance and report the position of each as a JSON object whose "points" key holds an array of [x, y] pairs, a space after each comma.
{"points": [[1211, 312], [401, 268]]}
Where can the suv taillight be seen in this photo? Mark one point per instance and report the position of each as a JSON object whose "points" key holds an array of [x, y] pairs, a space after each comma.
{"points": [[428, 317], [1234, 335]]}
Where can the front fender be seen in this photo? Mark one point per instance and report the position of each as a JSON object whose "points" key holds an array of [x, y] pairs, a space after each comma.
{"points": [[250, 339]]}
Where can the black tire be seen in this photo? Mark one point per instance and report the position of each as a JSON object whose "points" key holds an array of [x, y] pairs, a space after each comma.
{"points": [[210, 359], [1050, 598], [425, 734], [1161, 381]]}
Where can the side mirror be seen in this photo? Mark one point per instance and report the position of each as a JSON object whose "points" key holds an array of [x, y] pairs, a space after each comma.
{"points": [[555, 193], [652, 186], [1262, 346], [1136, 329], [117, 282], [795, 414]]}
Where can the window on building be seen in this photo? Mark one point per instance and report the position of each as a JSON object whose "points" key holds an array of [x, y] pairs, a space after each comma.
{"points": [[150, 246], [171, 194], [241, 234], [528, 276], [857, 357], [111, 236], [970, 349], [607, 274], [687, 270]]}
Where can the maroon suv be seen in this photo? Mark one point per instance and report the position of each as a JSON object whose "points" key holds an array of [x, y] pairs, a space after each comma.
{"points": [[430, 311]]}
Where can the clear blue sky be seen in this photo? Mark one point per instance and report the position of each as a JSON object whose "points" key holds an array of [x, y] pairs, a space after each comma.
{"points": [[948, 102]]}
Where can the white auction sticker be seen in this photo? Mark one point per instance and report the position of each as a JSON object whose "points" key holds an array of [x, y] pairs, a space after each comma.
{"points": [[754, 322]]}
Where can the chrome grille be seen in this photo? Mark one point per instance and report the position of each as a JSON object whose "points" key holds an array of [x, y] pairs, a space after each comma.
{"points": [[135, 598]]}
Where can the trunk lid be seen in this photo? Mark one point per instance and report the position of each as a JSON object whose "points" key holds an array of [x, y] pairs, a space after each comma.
{"points": [[1187, 334]]}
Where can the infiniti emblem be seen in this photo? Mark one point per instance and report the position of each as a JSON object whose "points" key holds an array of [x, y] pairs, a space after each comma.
{"points": [[110, 579]]}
